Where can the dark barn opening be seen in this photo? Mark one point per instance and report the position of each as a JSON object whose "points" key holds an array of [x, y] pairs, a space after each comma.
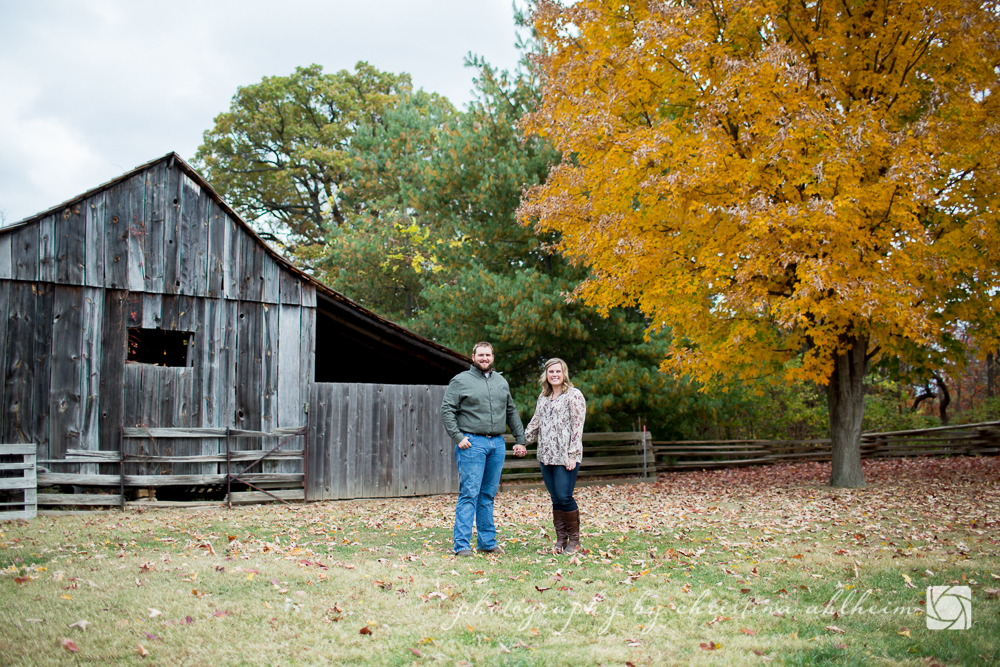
{"points": [[160, 347], [353, 346]]}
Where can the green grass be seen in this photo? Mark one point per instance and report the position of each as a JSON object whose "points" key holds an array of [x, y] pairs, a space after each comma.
{"points": [[674, 574]]}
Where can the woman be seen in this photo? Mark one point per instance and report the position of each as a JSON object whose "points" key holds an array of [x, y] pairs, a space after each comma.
{"points": [[558, 428]]}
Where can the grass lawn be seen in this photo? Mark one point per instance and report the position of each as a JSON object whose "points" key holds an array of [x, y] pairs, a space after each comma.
{"points": [[737, 567]]}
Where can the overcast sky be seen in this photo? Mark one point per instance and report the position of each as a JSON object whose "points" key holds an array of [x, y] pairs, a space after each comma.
{"points": [[90, 89]]}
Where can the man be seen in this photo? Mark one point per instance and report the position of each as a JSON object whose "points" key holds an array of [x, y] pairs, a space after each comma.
{"points": [[476, 410]]}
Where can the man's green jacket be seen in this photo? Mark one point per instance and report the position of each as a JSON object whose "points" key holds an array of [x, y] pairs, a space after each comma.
{"points": [[478, 404]]}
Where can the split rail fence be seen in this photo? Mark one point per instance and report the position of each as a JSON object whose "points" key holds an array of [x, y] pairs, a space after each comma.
{"points": [[18, 478], [141, 465], [981, 439], [608, 458]]}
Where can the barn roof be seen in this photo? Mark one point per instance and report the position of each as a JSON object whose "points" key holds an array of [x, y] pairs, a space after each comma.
{"points": [[329, 301]]}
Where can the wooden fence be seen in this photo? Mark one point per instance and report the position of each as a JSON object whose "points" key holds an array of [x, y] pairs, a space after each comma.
{"points": [[141, 465], [378, 441], [608, 458], [17, 478], [965, 439]]}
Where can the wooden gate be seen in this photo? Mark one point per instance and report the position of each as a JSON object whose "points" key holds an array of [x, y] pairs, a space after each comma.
{"points": [[377, 441]]}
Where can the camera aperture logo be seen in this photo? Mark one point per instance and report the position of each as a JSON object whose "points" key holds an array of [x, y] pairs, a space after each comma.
{"points": [[949, 607]]}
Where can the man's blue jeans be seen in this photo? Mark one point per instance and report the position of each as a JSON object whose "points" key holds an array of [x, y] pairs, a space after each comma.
{"points": [[560, 483], [479, 469]]}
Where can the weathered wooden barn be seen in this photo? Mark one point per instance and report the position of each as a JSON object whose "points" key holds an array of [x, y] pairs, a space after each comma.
{"points": [[148, 302]]}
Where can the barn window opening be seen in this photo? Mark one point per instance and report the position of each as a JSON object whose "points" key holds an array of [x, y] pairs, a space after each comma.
{"points": [[160, 347]]}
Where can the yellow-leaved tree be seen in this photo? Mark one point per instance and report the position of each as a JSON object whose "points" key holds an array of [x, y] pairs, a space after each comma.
{"points": [[777, 180]]}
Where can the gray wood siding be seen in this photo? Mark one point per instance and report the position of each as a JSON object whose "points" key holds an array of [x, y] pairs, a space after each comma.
{"points": [[377, 441], [157, 232], [67, 385]]}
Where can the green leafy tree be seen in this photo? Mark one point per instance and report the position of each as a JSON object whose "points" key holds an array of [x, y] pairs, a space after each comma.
{"points": [[282, 153]]}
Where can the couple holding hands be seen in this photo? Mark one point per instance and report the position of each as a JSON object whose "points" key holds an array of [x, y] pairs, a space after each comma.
{"points": [[476, 410]]}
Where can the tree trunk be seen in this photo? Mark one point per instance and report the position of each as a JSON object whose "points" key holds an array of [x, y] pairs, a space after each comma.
{"points": [[945, 400], [845, 400]]}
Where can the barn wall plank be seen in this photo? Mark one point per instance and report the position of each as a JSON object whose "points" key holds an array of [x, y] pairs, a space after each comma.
{"points": [[272, 280], [66, 371], [316, 453], [46, 249], [184, 414], [229, 352], [349, 451], [116, 226], [5, 410], [24, 252], [251, 268], [172, 232], [308, 295], [155, 216], [426, 472], [94, 212], [290, 398], [218, 250], [209, 355], [207, 359], [371, 448], [289, 288], [195, 366], [249, 369], [136, 230], [90, 353], [42, 359], [202, 244], [388, 466], [113, 352], [133, 414], [70, 233], [403, 455], [307, 347], [189, 237], [233, 259], [429, 464], [6, 259], [19, 368], [152, 311], [269, 363]]}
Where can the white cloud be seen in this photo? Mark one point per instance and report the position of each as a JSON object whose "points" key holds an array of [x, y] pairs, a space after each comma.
{"points": [[89, 89]]}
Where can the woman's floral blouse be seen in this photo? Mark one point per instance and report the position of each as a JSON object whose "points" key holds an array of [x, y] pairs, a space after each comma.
{"points": [[558, 427]]}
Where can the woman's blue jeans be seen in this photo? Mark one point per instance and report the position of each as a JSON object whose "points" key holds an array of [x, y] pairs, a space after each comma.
{"points": [[560, 483], [479, 469]]}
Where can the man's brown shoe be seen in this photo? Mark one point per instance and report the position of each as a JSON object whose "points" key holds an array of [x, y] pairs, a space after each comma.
{"points": [[496, 551]]}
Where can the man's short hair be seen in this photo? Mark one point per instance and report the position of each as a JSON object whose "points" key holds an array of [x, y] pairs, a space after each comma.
{"points": [[480, 344]]}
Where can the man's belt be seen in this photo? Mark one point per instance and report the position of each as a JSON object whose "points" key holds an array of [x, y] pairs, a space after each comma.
{"points": [[487, 435]]}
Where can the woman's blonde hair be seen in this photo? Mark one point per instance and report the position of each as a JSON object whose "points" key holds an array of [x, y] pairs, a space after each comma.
{"points": [[544, 380]]}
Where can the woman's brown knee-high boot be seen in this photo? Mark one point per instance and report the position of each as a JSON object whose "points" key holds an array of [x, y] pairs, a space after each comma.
{"points": [[572, 520], [559, 522]]}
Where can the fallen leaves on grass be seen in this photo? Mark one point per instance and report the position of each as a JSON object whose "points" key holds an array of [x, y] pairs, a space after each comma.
{"points": [[82, 624], [70, 646]]}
